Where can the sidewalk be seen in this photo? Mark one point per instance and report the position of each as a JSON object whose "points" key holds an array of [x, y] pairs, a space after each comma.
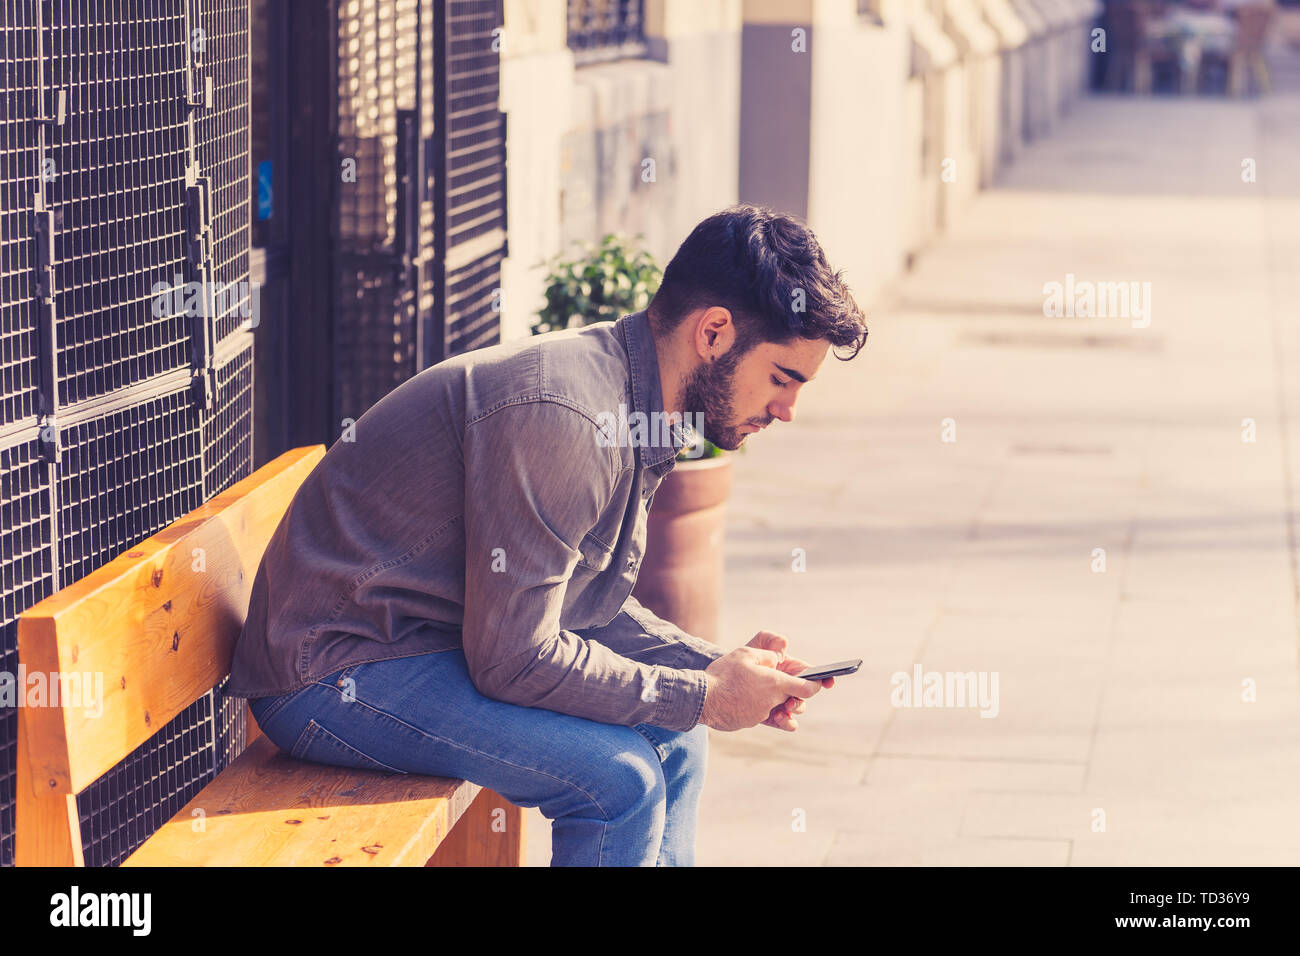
{"points": [[1120, 691]]}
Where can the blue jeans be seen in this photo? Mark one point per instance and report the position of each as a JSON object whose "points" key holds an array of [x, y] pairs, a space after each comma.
{"points": [[617, 796]]}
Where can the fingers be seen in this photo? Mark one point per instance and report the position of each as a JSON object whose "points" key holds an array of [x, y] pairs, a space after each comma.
{"points": [[781, 720], [770, 641], [767, 658], [782, 716], [792, 665]]}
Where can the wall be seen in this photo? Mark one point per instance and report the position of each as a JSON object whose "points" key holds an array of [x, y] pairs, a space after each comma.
{"points": [[578, 137]]}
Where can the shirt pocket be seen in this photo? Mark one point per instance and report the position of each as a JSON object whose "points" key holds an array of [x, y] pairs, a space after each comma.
{"points": [[589, 592], [595, 555]]}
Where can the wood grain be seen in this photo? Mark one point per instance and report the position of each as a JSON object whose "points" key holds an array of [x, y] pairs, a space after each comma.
{"points": [[268, 809], [156, 623], [491, 833], [48, 832]]}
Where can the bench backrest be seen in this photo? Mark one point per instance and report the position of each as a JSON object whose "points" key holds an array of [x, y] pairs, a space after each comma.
{"points": [[155, 628]]}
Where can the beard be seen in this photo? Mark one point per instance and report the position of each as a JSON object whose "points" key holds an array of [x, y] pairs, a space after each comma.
{"points": [[708, 392]]}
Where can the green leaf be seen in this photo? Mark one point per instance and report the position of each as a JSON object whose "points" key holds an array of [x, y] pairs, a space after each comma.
{"points": [[612, 278]]}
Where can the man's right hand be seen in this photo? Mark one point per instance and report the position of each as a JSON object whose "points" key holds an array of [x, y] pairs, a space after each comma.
{"points": [[744, 686]]}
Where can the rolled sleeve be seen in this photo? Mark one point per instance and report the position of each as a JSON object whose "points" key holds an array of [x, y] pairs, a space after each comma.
{"points": [[536, 481], [686, 650]]}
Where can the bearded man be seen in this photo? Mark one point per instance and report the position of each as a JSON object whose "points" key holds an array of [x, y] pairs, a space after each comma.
{"points": [[449, 593]]}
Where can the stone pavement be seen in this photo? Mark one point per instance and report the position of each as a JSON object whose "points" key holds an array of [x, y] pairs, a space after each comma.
{"points": [[1147, 706]]}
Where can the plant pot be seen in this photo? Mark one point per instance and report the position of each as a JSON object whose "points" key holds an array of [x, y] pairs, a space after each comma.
{"points": [[681, 574]]}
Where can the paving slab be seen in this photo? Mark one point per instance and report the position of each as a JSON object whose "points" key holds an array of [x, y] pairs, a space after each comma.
{"points": [[1113, 530]]}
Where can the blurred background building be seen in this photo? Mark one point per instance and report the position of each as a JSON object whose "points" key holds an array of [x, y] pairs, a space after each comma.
{"points": [[382, 182]]}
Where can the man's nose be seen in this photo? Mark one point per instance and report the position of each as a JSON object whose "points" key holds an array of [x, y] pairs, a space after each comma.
{"points": [[782, 410]]}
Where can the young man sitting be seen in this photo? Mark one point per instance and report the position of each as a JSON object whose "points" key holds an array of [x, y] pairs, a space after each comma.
{"points": [[449, 592]]}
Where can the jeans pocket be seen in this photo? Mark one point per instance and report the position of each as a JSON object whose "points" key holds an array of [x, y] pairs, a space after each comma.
{"points": [[318, 745], [264, 709]]}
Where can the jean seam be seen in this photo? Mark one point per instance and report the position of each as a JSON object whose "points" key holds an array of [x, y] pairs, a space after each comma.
{"points": [[480, 754], [654, 742], [306, 740]]}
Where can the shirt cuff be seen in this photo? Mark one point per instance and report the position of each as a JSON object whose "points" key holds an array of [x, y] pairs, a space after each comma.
{"points": [[681, 700]]}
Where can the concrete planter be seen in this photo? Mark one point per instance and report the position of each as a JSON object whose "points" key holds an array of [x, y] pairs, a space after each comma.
{"points": [[681, 574]]}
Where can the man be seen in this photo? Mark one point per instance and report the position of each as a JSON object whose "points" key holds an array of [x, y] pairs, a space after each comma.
{"points": [[449, 591]]}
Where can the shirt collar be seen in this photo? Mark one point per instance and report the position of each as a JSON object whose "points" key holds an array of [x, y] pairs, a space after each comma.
{"points": [[647, 393]]}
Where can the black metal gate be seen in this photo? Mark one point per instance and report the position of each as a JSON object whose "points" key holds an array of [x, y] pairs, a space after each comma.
{"points": [[125, 340], [400, 239]]}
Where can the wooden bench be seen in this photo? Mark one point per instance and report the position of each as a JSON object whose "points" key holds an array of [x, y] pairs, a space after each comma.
{"points": [[160, 622]]}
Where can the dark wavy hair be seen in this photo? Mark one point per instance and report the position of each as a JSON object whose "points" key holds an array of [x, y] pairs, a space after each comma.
{"points": [[754, 261]]}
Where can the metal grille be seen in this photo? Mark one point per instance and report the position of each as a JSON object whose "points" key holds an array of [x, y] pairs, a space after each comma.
{"points": [[228, 432], [124, 807], [123, 477], [28, 577], [606, 29], [117, 190], [134, 109], [222, 136], [18, 173]]}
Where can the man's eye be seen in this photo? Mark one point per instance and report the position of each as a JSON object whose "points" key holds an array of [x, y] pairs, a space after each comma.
{"points": [[777, 381]]}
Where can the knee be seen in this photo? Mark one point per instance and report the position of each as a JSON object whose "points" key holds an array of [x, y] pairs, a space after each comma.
{"points": [[632, 783]]}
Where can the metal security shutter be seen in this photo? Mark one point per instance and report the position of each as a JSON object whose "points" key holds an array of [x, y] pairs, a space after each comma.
{"points": [[416, 186], [470, 178], [375, 319], [125, 165]]}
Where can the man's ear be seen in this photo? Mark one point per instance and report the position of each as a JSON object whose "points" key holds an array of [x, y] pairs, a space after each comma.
{"points": [[715, 333]]}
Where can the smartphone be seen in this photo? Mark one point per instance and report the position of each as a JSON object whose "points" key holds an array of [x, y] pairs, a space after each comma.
{"points": [[823, 671]]}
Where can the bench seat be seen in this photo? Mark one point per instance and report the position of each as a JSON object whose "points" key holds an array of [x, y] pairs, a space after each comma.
{"points": [[268, 809]]}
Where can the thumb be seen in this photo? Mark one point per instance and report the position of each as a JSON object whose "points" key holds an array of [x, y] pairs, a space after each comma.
{"points": [[798, 687]]}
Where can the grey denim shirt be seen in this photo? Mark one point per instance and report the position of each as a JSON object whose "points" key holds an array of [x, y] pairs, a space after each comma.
{"points": [[481, 504]]}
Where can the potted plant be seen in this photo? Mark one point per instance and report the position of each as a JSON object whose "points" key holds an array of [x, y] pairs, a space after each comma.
{"points": [[681, 575], [607, 282]]}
